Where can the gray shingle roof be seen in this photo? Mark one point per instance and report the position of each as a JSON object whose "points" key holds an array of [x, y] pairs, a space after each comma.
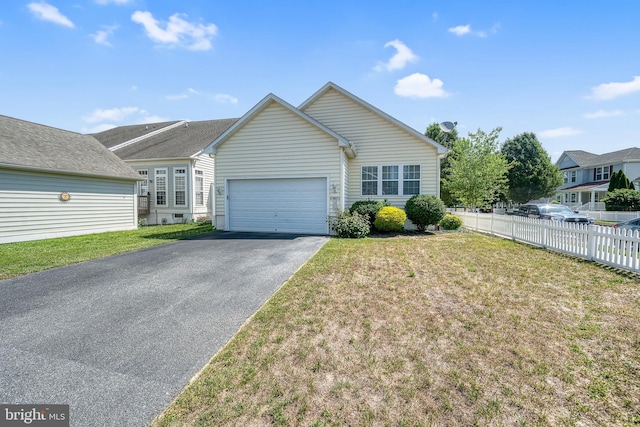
{"points": [[582, 158], [178, 142], [586, 159], [615, 157], [115, 136], [31, 145]]}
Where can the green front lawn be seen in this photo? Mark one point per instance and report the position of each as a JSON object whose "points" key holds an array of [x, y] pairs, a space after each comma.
{"points": [[28, 257]]}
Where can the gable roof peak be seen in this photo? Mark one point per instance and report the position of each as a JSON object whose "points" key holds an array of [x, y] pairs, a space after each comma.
{"points": [[259, 107], [331, 85]]}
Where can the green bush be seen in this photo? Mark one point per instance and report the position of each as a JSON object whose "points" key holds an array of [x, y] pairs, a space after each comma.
{"points": [[390, 219], [450, 222], [368, 208], [424, 210], [622, 200], [350, 225]]}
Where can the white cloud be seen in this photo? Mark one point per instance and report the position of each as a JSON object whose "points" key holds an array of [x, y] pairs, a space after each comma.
{"points": [[398, 61], [463, 30], [602, 113], [223, 97], [460, 30], [109, 118], [420, 86], [176, 32], [219, 97], [99, 128], [151, 119], [133, 88], [434, 16], [613, 89], [101, 36], [559, 132], [112, 114], [46, 12]]}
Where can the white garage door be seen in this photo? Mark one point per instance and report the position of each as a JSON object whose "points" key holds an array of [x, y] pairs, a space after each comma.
{"points": [[292, 205]]}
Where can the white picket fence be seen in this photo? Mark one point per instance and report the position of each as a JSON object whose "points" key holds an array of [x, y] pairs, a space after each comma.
{"points": [[612, 246]]}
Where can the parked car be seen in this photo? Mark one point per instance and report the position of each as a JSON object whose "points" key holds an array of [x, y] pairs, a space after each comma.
{"points": [[553, 212], [631, 224]]}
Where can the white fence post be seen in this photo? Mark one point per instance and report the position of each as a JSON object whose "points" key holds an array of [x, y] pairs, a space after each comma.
{"points": [[591, 242]]}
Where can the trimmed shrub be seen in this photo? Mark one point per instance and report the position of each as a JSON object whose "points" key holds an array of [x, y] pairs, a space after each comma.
{"points": [[424, 210], [368, 208], [622, 200], [390, 219], [350, 225], [450, 222]]}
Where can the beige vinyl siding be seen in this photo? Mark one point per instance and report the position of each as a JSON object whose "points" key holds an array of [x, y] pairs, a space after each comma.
{"points": [[31, 209], [377, 141], [205, 164], [276, 143], [345, 180]]}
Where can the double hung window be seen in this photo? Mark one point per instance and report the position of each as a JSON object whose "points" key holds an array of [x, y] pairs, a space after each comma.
{"points": [[199, 183], [390, 180], [161, 187], [180, 186]]}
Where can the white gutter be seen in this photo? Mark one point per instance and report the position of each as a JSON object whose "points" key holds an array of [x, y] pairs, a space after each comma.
{"points": [[149, 135]]}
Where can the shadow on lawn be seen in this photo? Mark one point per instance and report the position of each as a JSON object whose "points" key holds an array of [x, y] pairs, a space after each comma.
{"points": [[181, 235], [412, 233]]}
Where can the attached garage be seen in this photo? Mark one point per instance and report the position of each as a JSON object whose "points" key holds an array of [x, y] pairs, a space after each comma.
{"points": [[287, 205]]}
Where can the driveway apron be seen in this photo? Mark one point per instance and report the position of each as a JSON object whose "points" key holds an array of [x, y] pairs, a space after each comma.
{"points": [[118, 338]]}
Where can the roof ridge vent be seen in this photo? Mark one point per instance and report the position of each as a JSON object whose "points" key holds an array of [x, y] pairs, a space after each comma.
{"points": [[149, 135]]}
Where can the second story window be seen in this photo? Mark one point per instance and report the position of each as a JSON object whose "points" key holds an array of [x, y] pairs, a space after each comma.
{"points": [[602, 173], [570, 176]]}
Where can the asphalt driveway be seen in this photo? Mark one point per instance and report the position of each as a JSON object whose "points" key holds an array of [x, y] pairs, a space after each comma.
{"points": [[118, 338]]}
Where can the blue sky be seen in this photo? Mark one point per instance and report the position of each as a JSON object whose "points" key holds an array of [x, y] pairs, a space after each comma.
{"points": [[567, 70]]}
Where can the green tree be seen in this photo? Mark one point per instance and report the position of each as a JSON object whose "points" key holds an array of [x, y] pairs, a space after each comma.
{"points": [[479, 170], [619, 181], [532, 175], [434, 132]]}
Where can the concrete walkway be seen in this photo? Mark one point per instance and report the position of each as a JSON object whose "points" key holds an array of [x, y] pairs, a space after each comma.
{"points": [[118, 338]]}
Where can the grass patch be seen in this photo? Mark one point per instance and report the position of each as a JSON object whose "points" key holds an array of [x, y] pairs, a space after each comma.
{"points": [[485, 331], [30, 257]]}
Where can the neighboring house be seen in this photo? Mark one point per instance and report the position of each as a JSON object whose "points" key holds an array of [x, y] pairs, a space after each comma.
{"points": [[176, 176], [286, 169], [586, 175], [56, 183]]}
